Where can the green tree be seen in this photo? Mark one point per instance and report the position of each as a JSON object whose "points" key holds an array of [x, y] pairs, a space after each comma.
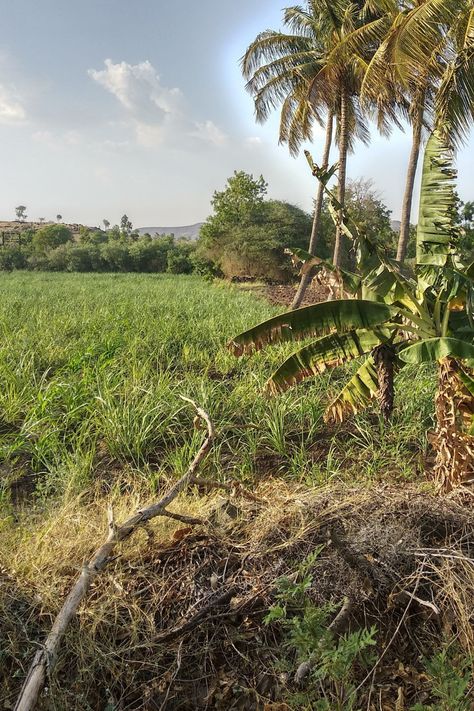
{"points": [[51, 236], [466, 222], [106, 224], [125, 225], [239, 202], [247, 235], [368, 212], [20, 212], [468, 214], [424, 56], [300, 70], [59, 217]]}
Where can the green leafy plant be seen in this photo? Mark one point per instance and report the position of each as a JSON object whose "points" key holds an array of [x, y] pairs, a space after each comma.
{"points": [[450, 677], [427, 317], [308, 636]]}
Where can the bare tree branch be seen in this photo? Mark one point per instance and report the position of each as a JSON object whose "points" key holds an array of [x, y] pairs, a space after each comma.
{"points": [[45, 658]]}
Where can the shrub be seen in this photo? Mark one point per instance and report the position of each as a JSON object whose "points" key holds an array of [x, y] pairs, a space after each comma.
{"points": [[179, 258], [116, 257], [51, 236], [13, 258], [148, 255]]}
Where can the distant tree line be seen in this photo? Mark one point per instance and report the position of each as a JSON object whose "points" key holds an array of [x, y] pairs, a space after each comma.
{"points": [[54, 248], [246, 235]]}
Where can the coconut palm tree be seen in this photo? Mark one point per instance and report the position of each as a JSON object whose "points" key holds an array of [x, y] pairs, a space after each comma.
{"points": [[291, 69], [424, 54], [422, 319]]}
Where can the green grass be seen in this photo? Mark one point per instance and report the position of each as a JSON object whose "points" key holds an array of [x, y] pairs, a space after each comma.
{"points": [[92, 366]]}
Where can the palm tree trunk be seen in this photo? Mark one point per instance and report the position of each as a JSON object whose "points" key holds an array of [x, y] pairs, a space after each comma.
{"points": [[307, 278], [410, 184], [341, 247], [454, 448], [384, 357]]}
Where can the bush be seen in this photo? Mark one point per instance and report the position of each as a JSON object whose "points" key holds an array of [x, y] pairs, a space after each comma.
{"points": [[80, 258], [180, 258], [51, 236], [255, 246], [52, 249], [13, 258], [150, 255], [116, 257]]}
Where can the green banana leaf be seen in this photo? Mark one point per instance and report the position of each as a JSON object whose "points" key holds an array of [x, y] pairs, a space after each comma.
{"points": [[327, 352], [437, 232], [433, 349], [322, 174], [467, 380], [356, 395], [311, 321]]}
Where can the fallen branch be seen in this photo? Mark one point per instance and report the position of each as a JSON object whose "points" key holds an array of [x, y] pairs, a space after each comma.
{"points": [[45, 658], [200, 616]]}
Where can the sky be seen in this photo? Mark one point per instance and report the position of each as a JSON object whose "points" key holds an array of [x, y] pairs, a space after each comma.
{"points": [[139, 107]]}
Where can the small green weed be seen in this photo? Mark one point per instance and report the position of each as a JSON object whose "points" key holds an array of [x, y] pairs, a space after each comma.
{"points": [[450, 676], [307, 637]]}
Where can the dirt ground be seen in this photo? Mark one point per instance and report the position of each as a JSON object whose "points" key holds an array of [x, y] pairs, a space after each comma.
{"points": [[283, 294]]}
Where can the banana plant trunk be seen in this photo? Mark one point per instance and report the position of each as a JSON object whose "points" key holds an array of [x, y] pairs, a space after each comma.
{"points": [[341, 246], [453, 446], [409, 186], [307, 278], [384, 358]]}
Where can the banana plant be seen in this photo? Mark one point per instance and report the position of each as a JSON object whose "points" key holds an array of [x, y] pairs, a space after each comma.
{"points": [[425, 318]]}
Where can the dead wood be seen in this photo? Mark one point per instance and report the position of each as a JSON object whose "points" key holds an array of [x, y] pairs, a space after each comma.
{"points": [[45, 658], [233, 487], [216, 601]]}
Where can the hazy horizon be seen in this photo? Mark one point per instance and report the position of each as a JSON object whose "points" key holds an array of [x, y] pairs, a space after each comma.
{"points": [[110, 108]]}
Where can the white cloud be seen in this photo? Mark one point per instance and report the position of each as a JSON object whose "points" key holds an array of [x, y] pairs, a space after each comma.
{"points": [[159, 115], [209, 132], [138, 88], [57, 140], [253, 141], [11, 110]]}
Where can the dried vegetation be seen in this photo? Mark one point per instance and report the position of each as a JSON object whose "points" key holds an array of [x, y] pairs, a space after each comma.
{"points": [[176, 621]]}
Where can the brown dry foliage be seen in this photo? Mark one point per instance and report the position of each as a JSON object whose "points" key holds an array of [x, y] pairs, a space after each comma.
{"points": [[115, 653]]}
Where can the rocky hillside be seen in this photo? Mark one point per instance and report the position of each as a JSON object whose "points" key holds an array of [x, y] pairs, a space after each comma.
{"points": [[189, 231]]}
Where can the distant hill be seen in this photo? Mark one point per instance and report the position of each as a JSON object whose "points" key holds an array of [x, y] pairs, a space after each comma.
{"points": [[189, 231]]}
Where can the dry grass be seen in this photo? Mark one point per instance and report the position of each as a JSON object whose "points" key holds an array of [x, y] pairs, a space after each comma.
{"points": [[116, 652]]}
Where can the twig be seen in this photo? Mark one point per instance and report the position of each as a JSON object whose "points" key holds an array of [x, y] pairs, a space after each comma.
{"points": [[444, 555], [195, 620], [233, 486], [184, 519], [45, 658]]}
